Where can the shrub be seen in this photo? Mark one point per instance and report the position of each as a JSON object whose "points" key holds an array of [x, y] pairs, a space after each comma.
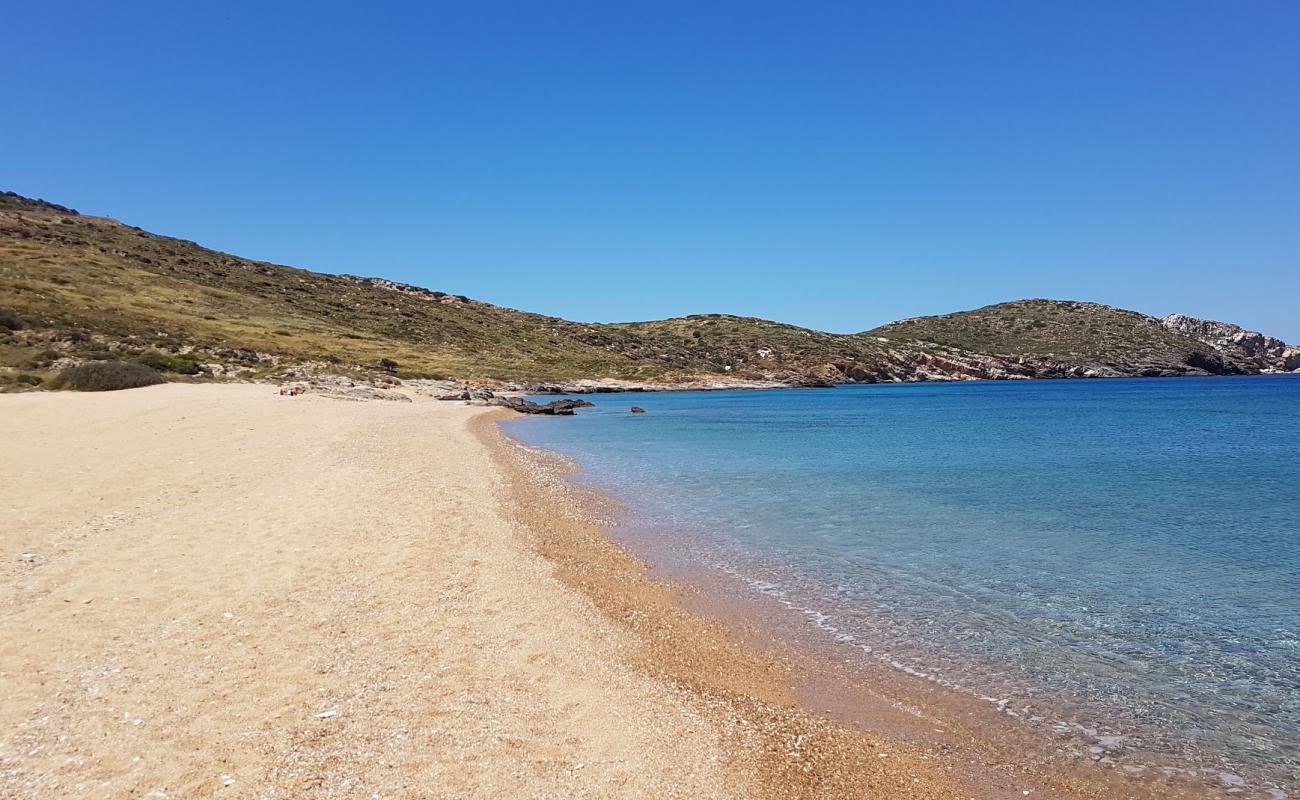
{"points": [[9, 320], [93, 353], [107, 376], [185, 366], [20, 379], [153, 359], [165, 363], [417, 375], [388, 364], [42, 359]]}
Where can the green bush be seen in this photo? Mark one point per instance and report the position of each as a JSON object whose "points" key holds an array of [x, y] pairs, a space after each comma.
{"points": [[106, 376], [20, 379], [9, 320], [41, 360], [417, 375], [165, 363]]}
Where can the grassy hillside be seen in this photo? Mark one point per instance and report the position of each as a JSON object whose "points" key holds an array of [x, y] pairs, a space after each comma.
{"points": [[81, 285], [99, 281], [75, 288], [1090, 335]]}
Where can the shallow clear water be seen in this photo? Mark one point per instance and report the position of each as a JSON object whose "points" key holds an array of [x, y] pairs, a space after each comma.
{"points": [[1121, 556]]}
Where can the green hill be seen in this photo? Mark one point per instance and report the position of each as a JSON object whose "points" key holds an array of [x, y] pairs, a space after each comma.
{"points": [[1089, 335]]}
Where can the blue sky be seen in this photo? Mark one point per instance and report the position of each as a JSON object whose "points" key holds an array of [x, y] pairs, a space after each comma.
{"points": [[837, 165]]}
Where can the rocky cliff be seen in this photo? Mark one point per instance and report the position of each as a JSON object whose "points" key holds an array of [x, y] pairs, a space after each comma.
{"points": [[1267, 353]]}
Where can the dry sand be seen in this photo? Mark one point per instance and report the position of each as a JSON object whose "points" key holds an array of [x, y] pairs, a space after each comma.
{"points": [[218, 591]]}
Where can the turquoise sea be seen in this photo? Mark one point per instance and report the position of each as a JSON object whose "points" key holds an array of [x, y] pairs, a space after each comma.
{"points": [[1116, 559]]}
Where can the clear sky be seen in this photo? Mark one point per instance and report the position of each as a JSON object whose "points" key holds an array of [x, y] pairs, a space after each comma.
{"points": [[832, 164]]}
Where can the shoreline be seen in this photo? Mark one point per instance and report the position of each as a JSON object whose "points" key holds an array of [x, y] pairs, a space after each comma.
{"points": [[218, 589], [751, 695], [983, 754], [562, 389]]}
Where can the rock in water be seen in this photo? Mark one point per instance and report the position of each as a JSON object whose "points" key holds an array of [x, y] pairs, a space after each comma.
{"points": [[638, 410], [555, 407]]}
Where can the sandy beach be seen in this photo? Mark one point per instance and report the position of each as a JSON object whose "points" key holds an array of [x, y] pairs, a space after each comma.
{"points": [[214, 590]]}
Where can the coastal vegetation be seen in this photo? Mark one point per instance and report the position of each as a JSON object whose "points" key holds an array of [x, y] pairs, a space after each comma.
{"points": [[76, 288], [106, 376]]}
